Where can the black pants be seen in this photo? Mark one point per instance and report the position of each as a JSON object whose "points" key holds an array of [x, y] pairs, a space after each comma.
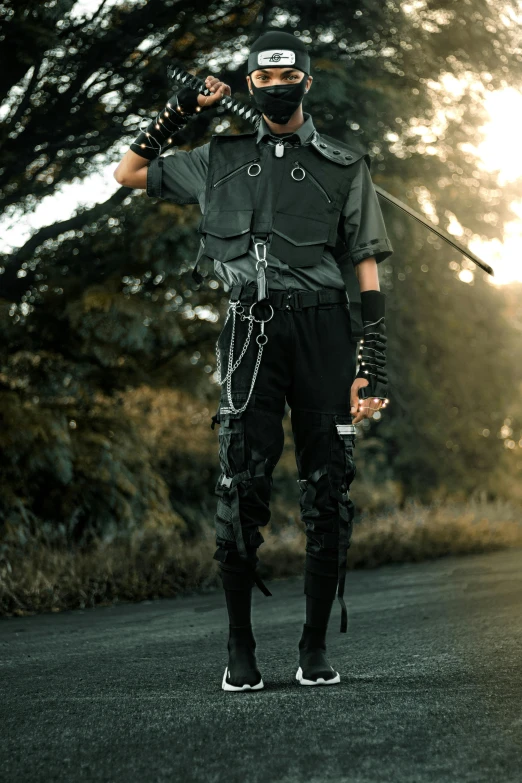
{"points": [[308, 361]]}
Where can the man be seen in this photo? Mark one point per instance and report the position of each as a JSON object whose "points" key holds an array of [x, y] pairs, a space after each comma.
{"points": [[275, 204]]}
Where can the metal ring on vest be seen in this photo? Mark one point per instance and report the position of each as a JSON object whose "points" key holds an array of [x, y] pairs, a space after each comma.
{"points": [[257, 172], [297, 167]]}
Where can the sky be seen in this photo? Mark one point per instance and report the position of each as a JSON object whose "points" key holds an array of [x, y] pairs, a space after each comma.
{"points": [[499, 151]]}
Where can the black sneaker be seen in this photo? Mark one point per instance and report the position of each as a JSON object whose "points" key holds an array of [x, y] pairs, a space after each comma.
{"points": [[314, 668], [242, 673]]}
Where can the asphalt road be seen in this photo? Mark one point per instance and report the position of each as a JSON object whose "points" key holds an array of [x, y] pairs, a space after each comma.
{"points": [[431, 686]]}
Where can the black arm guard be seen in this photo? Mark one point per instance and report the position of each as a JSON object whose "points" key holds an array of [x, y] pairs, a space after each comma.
{"points": [[372, 354], [157, 137]]}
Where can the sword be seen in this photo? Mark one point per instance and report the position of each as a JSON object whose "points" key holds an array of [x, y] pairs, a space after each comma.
{"points": [[236, 107], [252, 114], [432, 227]]}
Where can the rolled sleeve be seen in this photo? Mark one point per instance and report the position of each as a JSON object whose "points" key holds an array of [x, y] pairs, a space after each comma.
{"points": [[364, 229], [180, 176]]}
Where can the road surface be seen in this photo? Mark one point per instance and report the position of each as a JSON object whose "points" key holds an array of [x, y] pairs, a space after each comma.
{"points": [[431, 686]]}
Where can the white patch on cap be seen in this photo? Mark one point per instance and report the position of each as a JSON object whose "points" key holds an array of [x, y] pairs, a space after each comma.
{"points": [[276, 57]]}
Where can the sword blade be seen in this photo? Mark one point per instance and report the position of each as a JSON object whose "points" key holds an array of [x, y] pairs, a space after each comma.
{"points": [[252, 114], [436, 230]]}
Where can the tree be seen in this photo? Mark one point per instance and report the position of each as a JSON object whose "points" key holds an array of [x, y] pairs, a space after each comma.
{"points": [[100, 308]]}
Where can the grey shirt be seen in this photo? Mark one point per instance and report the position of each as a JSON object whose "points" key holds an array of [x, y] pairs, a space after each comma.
{"points": [[182, 180]]}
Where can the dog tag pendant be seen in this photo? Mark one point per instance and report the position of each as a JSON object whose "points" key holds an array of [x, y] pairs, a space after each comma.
{"points": [[279, 149]]}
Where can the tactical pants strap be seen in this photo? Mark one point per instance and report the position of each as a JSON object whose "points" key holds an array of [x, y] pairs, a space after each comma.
{"points": [[309, 485], [259, 582], [231, 483], [232, 515], [249, 566], [346, 512]]}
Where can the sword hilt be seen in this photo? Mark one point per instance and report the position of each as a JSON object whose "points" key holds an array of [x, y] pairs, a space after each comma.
{"points": [[236, 107]]}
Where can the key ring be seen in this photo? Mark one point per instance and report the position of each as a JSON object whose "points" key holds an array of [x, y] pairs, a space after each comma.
{"points": [[261, 321]]}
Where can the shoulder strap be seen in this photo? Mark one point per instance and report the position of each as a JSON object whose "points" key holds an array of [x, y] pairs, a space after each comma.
{"points": [[343, 153]]}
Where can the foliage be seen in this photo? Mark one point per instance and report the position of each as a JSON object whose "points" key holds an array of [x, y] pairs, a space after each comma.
{"points": [[99, 315], [41, 572]]}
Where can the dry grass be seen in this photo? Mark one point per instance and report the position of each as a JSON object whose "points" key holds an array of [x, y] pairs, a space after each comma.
{"points": [[151, 564], [411, 534]]}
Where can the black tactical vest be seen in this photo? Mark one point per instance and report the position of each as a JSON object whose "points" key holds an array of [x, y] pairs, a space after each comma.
{"points": [[301, 217]]}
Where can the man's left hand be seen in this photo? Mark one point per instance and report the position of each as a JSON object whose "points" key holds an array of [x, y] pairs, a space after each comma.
{"points": [[362, 409]]}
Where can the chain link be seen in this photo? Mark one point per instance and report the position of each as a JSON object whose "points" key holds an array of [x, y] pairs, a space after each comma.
{"points": [[232, 366]]}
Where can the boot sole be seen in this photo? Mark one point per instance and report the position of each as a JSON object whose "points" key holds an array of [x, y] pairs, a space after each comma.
{"points": [[320, 681], [226, 686]]}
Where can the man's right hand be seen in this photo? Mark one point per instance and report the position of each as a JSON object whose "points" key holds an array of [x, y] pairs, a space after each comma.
{"points": [[218, 90]]}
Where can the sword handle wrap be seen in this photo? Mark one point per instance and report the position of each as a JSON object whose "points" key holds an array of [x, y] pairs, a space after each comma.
{"points": [[249, 113]]}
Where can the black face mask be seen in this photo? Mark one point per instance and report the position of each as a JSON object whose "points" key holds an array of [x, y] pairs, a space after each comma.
{"points": [[280, 101]]}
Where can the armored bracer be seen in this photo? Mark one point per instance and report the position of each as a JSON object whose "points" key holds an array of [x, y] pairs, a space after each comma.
{"points": [[372, 353], [158, 136]]}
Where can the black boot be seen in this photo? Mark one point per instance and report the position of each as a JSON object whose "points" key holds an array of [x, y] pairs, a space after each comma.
{"points": [[242, 672], [314, 668], [320, 587]]}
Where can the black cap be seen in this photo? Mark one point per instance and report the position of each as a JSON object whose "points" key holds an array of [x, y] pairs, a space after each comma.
{"points": [[277, 49]]}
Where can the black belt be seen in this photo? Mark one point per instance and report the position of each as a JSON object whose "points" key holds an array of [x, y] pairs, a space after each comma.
{"points": [[289, 300]]}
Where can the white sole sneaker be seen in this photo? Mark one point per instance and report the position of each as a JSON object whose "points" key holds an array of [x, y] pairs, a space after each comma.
{"points": [[228, 687], [320, 681]]}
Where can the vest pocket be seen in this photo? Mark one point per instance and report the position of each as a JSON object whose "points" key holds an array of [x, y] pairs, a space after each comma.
{"points": [[298, 241], [233, 173], [315, 182], [227, 234]]}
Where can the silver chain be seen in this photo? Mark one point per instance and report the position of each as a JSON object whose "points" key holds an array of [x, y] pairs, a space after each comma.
{"points": [[239, 310], [237, 307]]}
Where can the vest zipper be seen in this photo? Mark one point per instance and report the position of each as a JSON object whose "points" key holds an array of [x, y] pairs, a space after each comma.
{"points": [[317, 184], [233, 173]]}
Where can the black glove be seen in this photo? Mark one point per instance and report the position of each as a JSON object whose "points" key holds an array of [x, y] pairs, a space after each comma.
{"points": [[188, 101], [372, 354], [157, 137]]}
